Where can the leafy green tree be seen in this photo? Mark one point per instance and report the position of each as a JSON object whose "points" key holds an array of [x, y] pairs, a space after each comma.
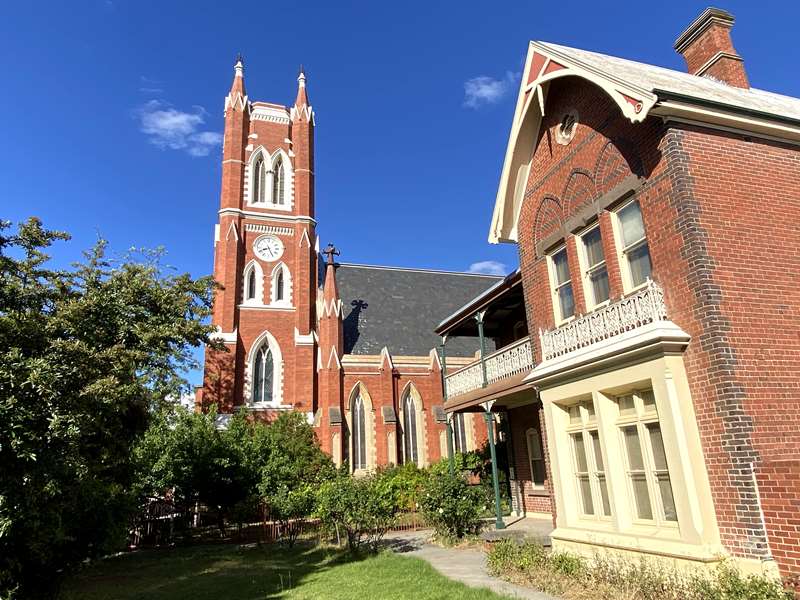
{"points": [[186, 454], [86, 355]]}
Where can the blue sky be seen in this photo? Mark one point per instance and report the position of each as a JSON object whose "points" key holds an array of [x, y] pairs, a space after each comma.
{"points": [[113, 108]]}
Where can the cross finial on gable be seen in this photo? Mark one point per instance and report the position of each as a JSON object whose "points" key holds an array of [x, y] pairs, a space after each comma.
{"points": [[330, 251]]}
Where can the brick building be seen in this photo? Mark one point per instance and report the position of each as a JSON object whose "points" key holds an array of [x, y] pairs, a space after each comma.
{"points": [[351, 346], [656, 404]]}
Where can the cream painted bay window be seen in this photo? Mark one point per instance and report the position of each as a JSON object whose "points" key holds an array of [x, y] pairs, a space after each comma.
{"points": [[594, 264], [633, 242], [645, 459], [563, 298], [587, 461]]}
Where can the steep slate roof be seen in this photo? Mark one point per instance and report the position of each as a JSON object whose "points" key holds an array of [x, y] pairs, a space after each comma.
{"points": [[399, 308], [659, 79]]}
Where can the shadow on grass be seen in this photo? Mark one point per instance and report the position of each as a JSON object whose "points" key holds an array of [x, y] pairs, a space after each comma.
{"points": [[244, 573]]}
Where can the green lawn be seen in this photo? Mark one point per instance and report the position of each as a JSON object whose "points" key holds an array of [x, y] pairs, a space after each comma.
{"points": [[229, 572]]}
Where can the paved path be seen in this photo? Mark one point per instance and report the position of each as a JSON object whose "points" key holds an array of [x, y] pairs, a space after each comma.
{"points": [[467, 565]]}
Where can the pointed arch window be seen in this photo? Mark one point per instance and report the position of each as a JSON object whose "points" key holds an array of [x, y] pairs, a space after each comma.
{"points": [[278, 180], [260, 180], [358, 437], [279, 287], [410, 448], [251, 285], [263, 375]]}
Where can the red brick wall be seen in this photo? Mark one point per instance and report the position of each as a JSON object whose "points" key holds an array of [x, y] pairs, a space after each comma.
{"points": [[779, 488], [533, 499], [723, 226]]}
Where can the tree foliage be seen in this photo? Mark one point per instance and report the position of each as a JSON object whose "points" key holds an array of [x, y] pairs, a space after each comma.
{"points": [[452, 506], [86, 355]]}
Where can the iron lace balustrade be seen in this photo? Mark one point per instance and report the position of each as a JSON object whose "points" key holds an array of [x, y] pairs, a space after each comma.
{"points": [[501, 364], [639, 309]]}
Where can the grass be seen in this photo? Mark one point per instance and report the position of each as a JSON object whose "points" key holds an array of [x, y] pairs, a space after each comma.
{"points": [[214, 572]]}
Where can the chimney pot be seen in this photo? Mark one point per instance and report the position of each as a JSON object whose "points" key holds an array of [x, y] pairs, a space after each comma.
{"points": [[707, 47]]}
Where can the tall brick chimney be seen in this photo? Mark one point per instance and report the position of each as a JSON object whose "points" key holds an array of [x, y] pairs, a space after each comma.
{"points": [[707, 47]]}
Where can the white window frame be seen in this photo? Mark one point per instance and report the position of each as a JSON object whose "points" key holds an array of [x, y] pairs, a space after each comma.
{"points": [[588, 270], [641, 417], [258, 299], [270, 160], [622, 250], [587, 424], [287, 286], [533, 440], [555, 286]]}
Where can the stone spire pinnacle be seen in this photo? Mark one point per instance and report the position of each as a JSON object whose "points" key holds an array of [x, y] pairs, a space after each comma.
{"points": [[302, 97]]}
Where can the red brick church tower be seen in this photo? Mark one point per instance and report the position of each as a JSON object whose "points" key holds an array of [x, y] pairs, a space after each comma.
{"points": [[264, 257], [351, 346]]}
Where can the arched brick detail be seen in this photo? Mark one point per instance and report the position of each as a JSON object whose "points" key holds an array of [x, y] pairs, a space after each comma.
{"points": [[579, 190], [614, 163], [549, 219]]}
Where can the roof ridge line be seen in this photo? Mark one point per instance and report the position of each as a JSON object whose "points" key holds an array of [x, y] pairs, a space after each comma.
{"points": [[419, 269]]}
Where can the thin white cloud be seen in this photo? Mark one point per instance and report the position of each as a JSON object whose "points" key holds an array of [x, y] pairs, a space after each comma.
{"points": [[151, 91], [488, 267], [169, 128], [484, 90]]}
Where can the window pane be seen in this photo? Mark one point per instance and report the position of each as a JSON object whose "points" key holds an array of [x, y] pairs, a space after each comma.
{"points": [[258, 374], [642, 496], [599, 281], [538, 474], [586, 495], [633, 447], [657, 444], [665, 489], [594, 247], [601, 480], [561, 266], [575, 413], [630, 220], [589, 406], [598, 455], [626, 406], [566, 301], [251, 285], [639, 264], [648, 400], [268, 371], [534, 445], [580, 453]]}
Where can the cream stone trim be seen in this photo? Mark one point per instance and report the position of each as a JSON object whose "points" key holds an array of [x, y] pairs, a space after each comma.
{"points": [[258, 299], [273, 229], [225, 337], [718, 118], [270, 160], [633, 101], [696, 535], [277, 377], [369, 425], [410, 390], [287, 286], [263, 216]]}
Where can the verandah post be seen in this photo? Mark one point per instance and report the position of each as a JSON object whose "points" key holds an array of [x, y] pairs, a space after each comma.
{"points": [[487, 415]]}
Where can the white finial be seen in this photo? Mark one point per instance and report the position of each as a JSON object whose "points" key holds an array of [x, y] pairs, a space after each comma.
{"points": [[239, 66], [301, 77]]}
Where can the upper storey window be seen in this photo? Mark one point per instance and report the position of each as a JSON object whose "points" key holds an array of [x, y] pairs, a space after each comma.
{"points": [[278, 181], [635, 251], [260, 180], [563, 298], [595, 273]]}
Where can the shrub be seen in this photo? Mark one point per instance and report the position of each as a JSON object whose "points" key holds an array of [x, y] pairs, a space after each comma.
{"points": [[606, 577], [451, 506], [365, 507]]}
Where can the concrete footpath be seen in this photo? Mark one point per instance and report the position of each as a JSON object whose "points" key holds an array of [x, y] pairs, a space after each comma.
{"points": [[467, 565]]}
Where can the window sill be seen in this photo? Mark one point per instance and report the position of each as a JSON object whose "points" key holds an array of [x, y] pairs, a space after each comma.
{"points": [[268, 406]]}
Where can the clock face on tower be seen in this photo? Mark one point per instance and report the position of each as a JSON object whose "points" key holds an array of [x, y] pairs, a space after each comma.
{"points": [[268, 248]]}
